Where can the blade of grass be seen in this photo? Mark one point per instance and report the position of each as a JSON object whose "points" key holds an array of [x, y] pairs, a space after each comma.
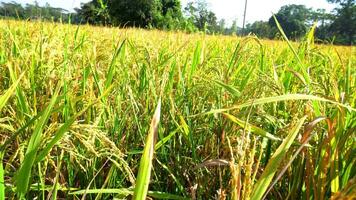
{"points": [[273, 164], [144, 172], [111, 71], [5, 97], [179, 185], [159, 144], [2, 181], [196, 60], [305, 74], [128, 191], [21, 98], [228, 88], [24, 173], [54, 191], [165, 139], [298, 75], [308, 129], [122, 191], [93, 179], [252, 128], [23, 128], [287, 97], [65, 127]]}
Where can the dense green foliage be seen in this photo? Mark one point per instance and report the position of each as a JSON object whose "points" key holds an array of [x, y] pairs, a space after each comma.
{"points": [[239, 118], [293, 19], [140, 13], [202, 18], [344, 24], [262, 29], [296, 19], [338, 27], [163, 14], [35, 11]]}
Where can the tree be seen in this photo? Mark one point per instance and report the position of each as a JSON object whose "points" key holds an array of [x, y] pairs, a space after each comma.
{"points": [[260, 28], [233, 29], [321, 16], [134, 12], [324, 19], [211, 22], [293, 19], [221, 26], [12, 9], [141, 13], [33, 11], [169, 16], [171, 7], [119, 12], [94, 12], [202, 17], [344, 25]]}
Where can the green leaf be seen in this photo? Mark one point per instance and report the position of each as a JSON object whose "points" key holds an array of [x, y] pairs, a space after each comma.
{"points": [[304, 71], [252, 128], [122, 191], [196, 60], [128, 191], [165, 139], [2, 180], [24, 173], [273, 164], [21, 98], [111, 71], [286, 97], [5, 97], [59, 134], [229, 88], [65, 127], [144, 172]]}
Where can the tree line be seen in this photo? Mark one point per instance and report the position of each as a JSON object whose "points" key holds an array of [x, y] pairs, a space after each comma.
{"points": [[34, 12], [336, 27]]}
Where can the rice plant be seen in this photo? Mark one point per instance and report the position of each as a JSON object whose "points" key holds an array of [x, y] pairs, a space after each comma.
{"points": [[236, 118]]}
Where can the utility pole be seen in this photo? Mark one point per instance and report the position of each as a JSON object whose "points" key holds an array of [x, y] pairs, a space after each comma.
{"points": [[243, 23]]}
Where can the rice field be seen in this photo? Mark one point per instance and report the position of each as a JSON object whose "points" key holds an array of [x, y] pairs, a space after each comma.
{"points": [[106, 113]]}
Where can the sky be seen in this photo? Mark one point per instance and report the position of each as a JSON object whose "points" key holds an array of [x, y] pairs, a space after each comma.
{"points": [[227, 9]]}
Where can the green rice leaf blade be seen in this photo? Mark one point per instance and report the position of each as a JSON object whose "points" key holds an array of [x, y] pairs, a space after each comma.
{"points": [[286, 97], [2, 180], [252, 128], [230, 89], [5, 97], [144, 172], [24, 173], [127, 192], [273, 164]]}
